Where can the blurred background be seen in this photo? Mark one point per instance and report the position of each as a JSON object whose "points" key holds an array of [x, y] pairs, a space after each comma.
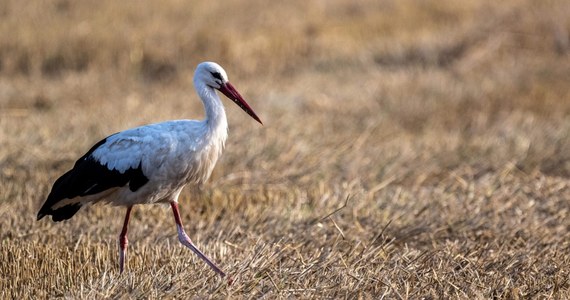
{"points": [[474, 78], [427, 113]]}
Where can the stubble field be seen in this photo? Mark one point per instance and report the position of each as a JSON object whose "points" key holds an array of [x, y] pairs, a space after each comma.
{"points": [[411, 149]]}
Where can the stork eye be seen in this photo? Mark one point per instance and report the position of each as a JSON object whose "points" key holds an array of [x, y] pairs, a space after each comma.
{"points": [[216, 75]]}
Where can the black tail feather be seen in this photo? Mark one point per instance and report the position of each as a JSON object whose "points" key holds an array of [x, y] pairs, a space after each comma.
{"points": [[62, 213], [54, 197], [87, 177]]}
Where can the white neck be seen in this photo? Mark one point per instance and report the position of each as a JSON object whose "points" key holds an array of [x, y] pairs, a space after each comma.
{"points": [[216, 124], [215, 113]]}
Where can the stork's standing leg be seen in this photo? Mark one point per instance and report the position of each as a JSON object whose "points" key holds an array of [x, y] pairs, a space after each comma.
{"points": [[185, 240], [123, 241]]}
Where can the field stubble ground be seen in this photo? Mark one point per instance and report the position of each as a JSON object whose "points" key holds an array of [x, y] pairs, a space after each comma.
{"points": [[442, 125]]}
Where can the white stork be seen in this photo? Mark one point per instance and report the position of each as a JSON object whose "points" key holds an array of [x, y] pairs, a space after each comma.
{"points": [[152, 163]]}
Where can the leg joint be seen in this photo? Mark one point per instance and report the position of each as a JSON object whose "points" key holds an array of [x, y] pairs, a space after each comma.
{"points": [[123, 241]]}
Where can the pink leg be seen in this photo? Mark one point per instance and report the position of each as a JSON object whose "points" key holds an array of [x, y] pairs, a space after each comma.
{"points": [[185, 240], [123, 241]]}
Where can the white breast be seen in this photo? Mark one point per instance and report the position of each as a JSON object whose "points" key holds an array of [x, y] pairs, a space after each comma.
{"points": [[171, 154]]}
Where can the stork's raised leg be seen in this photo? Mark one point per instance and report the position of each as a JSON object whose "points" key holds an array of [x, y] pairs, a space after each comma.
{"points": [[185, 240], [123, 241]]}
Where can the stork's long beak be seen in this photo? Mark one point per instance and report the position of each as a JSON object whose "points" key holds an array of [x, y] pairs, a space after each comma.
{"points": [[230, 92]]}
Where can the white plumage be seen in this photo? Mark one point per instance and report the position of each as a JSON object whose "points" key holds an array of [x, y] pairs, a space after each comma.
{"points": [[152, 163], [171, 155]]}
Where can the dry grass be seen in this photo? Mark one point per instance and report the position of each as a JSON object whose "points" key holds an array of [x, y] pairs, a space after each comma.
{"points": [[445, 123]]}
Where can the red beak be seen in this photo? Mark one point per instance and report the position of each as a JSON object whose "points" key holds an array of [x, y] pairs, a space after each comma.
{"points": [[230, 92]]}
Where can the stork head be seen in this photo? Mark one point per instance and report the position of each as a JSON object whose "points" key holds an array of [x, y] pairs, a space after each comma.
{"points": [[213, 75]]}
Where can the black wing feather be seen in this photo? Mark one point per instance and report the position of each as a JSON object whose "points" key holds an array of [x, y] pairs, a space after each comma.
{"points": [[88, 177]]}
